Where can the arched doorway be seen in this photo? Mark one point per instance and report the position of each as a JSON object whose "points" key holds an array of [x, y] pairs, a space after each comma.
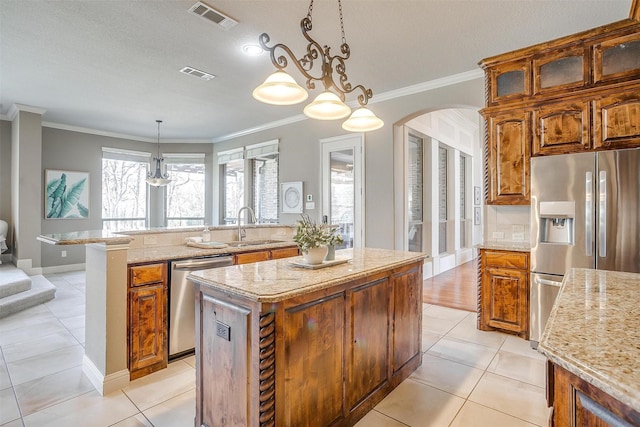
{"points": [[437, 180]]}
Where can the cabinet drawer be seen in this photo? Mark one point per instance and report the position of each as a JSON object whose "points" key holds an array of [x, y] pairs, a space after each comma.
{"points": [[249, 257], [144, 274], [284, 253], [519, 260]]}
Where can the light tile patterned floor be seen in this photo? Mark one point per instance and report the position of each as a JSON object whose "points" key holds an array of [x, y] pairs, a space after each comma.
{"points": [[467, 378]]}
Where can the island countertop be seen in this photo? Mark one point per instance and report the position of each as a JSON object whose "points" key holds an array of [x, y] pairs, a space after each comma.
{"points": [[594, 331], [277, 280]]}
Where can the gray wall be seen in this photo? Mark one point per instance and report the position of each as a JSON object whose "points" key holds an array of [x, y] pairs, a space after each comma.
{"points": [[300, 152], [68, 150]]}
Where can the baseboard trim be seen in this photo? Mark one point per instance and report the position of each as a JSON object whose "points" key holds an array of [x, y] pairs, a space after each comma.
{"points": [[104, 384], [63, 268]]}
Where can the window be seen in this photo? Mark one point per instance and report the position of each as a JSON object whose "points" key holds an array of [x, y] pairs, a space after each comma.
{"points": [[415, 193], [463, 201], [265, 189], [443, 207], [185, 202], [254, 168], [233, 189], [124, 189]]}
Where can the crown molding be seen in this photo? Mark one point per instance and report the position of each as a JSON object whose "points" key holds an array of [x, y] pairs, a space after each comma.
{"points": [[385, 96], [120, 135], [17, 108], [260, 128]]}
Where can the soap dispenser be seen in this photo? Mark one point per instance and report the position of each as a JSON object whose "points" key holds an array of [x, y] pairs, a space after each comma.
{"points": [[206, 235]]}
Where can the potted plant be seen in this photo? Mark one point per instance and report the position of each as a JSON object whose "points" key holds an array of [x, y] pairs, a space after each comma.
{"points": [[312, 239], [335, 239]]}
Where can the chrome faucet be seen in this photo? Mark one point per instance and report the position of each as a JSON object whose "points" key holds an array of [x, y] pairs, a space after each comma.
{"points": [[241, 232]]}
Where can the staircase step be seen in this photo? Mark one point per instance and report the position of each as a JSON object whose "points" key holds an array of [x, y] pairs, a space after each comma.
{"points": [[13, 280], [41, 291]]}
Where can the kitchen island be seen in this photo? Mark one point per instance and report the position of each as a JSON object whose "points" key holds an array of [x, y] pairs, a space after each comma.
{"points": [[282, 345], [592, 342]]}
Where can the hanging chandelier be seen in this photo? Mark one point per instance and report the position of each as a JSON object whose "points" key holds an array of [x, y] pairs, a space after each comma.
{"points": [[317, 65], [158, 179]]}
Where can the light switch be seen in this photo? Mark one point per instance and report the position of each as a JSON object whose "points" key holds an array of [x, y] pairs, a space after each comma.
{"points": [[310, 205]]}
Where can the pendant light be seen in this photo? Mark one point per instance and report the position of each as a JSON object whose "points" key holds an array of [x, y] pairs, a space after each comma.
{"points": [[317, 65], [158, 179]]}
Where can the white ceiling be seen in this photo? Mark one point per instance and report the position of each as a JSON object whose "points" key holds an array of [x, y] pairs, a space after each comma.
{"points": [[113, 66]]}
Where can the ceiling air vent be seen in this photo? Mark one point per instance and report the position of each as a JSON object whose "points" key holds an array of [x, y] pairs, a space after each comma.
{"points": [[197, 73], [210, 14]]}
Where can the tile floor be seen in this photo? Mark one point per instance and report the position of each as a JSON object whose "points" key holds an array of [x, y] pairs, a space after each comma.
{"points": [[467, 378]]}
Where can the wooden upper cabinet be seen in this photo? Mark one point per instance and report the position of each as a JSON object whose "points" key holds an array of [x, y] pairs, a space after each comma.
{"points": [[510, 81], [560, 71], [617, 120], [617, 59], [508, 161], [561, 128]]}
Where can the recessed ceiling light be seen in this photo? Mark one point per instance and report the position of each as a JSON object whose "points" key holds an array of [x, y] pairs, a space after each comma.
{"points": [[252, 49]]}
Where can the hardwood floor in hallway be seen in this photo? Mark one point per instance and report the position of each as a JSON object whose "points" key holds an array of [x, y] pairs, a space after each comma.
{"points": [[456, 288]]}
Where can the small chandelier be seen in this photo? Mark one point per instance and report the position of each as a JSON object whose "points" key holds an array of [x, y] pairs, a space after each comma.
{"points": [[158, 179], [281, 89]]}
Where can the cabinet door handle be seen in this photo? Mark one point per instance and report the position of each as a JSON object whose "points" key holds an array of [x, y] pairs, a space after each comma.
{"points": [[588, 214]]}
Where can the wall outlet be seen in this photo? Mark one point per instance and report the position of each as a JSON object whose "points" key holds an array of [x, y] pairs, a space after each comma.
{"points": [[309, 197], [498, 235], [63, 254], [517, 237], [517, 228], [150, 240]]}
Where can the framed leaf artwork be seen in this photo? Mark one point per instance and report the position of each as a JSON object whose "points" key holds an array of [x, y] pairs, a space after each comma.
{"points": [[66, 194]]}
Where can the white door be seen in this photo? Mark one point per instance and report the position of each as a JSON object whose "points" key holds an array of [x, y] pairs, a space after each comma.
{"points": [[343, 186]]}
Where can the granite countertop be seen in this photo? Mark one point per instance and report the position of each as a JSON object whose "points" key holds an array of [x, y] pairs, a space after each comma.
{"points": [[594, 331], [277, 280], [164, 253], [500, 245], [84, 237]]}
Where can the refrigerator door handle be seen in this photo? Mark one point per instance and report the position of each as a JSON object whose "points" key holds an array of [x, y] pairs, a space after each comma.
{"points": [[602, 215], [588, 214]]}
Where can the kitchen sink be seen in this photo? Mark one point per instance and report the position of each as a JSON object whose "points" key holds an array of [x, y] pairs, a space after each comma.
{"points": [[244, 243]]}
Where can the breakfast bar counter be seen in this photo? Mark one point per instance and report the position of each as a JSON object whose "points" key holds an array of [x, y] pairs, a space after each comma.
{"points": [[278, 344]]}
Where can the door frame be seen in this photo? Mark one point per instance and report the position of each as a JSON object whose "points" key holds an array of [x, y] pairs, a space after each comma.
{"points": [[356, 142]]}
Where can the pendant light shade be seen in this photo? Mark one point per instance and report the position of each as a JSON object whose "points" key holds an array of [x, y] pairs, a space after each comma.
{"points": [[327, 106], [362, 120], [158, 179], [280, 89]]}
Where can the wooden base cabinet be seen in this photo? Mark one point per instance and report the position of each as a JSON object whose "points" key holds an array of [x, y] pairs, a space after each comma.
{"points": [[147, 319], [320, 359], [504, 292], [577, 403]]}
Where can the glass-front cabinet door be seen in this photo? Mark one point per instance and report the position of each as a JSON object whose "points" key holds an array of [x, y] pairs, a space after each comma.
{"points": [[617, 58]]}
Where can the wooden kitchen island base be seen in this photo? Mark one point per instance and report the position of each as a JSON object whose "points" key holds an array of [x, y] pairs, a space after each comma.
{"points": [[283, 346]]}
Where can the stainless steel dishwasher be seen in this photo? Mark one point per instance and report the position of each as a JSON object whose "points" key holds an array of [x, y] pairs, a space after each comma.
{"points": [[182, 299]]}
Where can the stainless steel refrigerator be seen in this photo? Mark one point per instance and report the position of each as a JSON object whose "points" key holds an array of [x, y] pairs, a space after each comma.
{"points": [[585, 212]]}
